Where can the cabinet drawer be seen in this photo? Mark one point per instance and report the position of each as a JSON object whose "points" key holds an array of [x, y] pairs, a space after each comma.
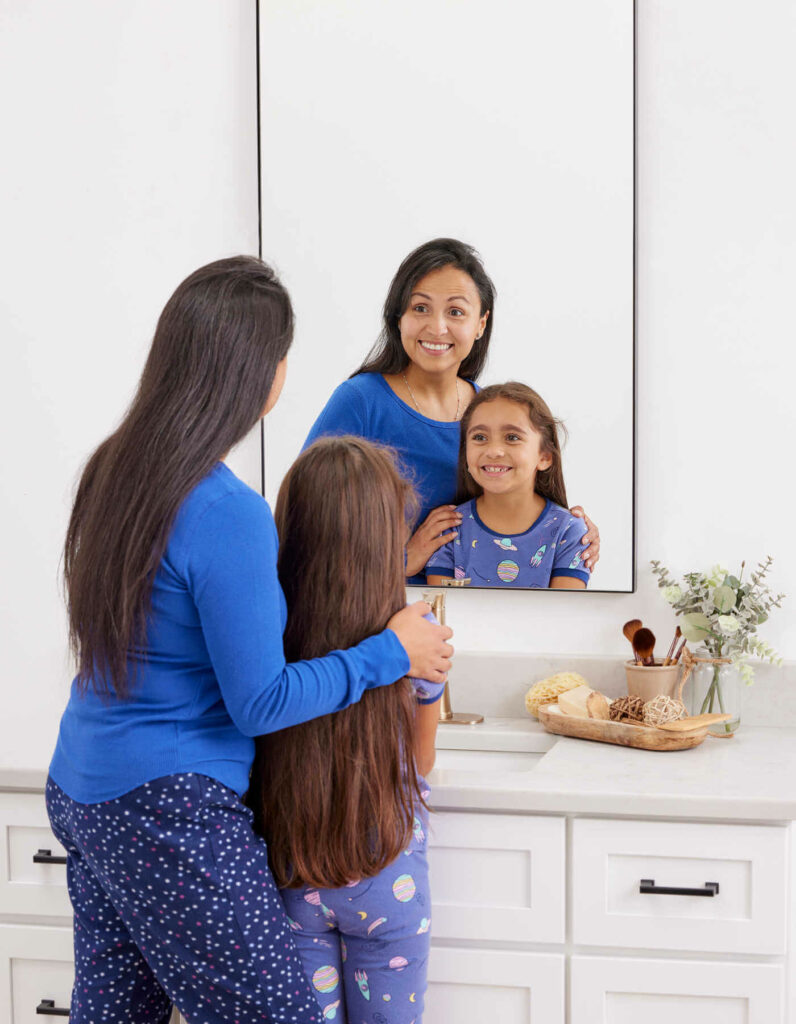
{"points": [[497, 877], [27, 887], [606, 990], [35, 965], [747, 864], [470, 986]]}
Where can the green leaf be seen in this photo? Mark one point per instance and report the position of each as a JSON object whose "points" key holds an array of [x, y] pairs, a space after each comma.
{"points": [[724, 599], [696, 627], [761, 618], [733, 581]]}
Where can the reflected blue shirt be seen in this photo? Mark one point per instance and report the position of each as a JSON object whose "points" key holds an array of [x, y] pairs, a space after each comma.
{"points": [[550, 547], [368, 407]]}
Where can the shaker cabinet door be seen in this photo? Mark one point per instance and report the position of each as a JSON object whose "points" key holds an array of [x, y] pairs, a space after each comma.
{"points": [[36, 973], [28, 886], [605, 990], [680, 886], [471, 986], [497, 877]]}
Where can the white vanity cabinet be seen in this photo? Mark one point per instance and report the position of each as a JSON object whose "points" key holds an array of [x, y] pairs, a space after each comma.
{"points": [[627, 990], [36, 952], [709, 939], [35, 931], [537, 919]]}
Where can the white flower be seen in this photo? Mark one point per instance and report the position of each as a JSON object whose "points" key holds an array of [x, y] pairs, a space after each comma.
{"points": [[672, 594], [728, 624]]}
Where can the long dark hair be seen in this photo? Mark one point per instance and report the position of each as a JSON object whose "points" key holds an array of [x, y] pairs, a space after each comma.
{"points": [[388, 354], [335, 797], [549, 482], [204, 386]]}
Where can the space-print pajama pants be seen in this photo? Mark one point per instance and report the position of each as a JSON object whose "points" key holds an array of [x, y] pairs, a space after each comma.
{"points": [[365, 947], [174, 903]]}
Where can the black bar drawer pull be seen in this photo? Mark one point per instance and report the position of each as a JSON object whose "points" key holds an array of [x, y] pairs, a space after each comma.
{"points": [[48, 1008], [647, 885], [46, 857]]}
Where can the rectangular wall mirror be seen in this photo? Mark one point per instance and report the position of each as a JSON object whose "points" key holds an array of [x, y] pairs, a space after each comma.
{"points": [[509, 126]]}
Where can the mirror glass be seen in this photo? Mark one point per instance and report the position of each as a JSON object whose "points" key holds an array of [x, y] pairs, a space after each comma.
{"points": [[509, 126]]}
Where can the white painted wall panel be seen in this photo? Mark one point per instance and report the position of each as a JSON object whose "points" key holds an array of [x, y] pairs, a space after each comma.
{"points": [[129, 159]]}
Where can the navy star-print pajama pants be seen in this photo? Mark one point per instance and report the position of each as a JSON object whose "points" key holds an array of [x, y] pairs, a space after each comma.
{"points": [[175, 904]]}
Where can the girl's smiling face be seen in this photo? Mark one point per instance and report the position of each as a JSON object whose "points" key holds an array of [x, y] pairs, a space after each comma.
{"points": [[442, 321], [503, 449]]}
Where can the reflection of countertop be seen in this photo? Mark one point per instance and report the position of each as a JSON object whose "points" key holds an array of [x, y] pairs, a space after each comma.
{"points": [[751, 777]]}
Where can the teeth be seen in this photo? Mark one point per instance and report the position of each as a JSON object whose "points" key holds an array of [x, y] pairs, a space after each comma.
{"points": [[435, 346], [495, 469]]}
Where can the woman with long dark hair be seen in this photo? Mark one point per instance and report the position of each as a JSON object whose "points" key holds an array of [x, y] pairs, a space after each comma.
{"points": [[415, 384], [340, 799], [176, 618]]}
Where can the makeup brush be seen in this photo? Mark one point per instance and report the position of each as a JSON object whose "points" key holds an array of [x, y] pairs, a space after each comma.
{"points": [[676, 658], [630, 629], [644, 646], [670, 656]]}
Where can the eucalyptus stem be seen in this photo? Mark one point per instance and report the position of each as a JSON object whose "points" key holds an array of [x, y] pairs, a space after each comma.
{"points": [[713, 691], [728, 726]]}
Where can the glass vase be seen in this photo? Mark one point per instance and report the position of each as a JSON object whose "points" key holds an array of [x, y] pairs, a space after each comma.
{"points": [[716, 689]]}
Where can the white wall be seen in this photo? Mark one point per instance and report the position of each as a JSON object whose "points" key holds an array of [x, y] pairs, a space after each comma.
{"points": [[129, 159], [716, 218], [128, 156]]}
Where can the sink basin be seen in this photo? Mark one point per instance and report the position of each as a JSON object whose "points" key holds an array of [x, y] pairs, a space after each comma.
{"points": [[487, 761]]}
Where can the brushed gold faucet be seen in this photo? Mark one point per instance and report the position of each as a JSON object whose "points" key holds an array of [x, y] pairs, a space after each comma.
{"points": [[447, 715]]}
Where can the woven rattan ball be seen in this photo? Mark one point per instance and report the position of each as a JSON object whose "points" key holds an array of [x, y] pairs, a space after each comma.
{"points": [[662, 709], [627, 709]]}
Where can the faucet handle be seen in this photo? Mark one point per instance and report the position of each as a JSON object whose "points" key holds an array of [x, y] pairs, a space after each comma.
{"points": [[437, 602], [447, 715]]}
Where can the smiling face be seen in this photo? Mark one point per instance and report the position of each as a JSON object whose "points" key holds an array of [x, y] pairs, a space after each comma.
{"points": [[503, 450], [442, 321]]}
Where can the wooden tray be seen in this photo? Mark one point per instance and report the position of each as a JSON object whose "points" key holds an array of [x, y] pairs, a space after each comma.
{"points": [[641, 736]]}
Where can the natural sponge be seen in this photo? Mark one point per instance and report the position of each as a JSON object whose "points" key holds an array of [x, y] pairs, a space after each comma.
{"points": [[546, 691]]}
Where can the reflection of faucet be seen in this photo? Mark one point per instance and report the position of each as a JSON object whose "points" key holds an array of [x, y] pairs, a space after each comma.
{"points": [[447, 716]]}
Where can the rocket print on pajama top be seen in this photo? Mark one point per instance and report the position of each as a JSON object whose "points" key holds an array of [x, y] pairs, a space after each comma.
{"points": [[550, 547], [365, 946]]}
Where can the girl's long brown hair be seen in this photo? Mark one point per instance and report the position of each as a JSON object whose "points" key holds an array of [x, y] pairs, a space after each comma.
{"points": [[335, 797], [549, 482], [204, 386]]}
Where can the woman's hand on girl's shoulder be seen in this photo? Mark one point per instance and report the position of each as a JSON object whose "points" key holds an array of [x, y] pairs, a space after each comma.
{"points": [[424, 642], [590, 539], [430, 536]]}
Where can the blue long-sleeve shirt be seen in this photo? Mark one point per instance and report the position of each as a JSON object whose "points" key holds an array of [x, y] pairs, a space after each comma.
{"points": [[213, 674], [367, 406]]}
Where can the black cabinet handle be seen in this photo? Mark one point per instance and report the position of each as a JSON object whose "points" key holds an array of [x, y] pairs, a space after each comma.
{"points": [[48, 1008], [647, 885], [46, 857]]}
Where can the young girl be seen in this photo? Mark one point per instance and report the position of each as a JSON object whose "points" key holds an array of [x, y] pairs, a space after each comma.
{"points": [[340, 799], [516, 530]]}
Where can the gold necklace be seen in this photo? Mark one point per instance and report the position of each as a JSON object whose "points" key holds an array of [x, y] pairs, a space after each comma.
{"points": [[412, 394]]}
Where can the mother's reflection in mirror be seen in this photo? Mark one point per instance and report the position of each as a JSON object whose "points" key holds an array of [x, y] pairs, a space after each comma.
{"points": [[419, 379], [516, 530]]}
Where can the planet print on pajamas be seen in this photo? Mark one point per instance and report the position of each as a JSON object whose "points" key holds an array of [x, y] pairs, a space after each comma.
{"points": [[365, 946]]}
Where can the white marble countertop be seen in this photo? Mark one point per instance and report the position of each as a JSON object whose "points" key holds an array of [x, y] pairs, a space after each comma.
{"points": [[751, 777]]}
